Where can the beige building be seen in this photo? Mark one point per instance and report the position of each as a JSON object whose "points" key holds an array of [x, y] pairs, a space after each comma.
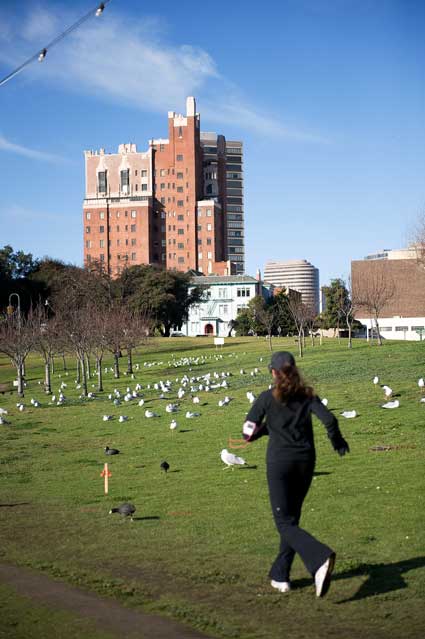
{"points": [[298, 275], [403, 316]]}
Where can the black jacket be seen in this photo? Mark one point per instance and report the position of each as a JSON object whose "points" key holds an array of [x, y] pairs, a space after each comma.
{"points": [[289, 426]]}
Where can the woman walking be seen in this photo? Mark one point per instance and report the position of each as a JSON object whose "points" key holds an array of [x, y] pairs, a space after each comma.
{"points": [[284, 413]]}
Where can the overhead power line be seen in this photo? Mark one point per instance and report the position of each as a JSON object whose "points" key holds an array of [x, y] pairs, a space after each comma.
{"points": [[41, 54]]}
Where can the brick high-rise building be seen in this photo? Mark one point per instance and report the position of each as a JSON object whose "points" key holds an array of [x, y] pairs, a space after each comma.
{"points": [[160, 206]]}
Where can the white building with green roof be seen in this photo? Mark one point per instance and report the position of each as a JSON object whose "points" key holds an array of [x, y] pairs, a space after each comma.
{"points": [[224, 297]]}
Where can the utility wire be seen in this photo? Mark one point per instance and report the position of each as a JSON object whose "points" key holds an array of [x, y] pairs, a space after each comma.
{"points": [[40, 55]]}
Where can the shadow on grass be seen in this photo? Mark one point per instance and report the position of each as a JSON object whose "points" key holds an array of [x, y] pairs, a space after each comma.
{"points": [[186, 430], [252, 467], [381, 578], [21, 503], [147, 518], [319, 473]]}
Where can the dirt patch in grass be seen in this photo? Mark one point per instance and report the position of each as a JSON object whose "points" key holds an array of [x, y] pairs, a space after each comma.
{"points": [[105, 613]]}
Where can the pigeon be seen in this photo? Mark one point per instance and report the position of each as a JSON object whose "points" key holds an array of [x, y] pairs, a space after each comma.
{"points": [[349, 414], [394, 404], [230, 459], [324, 401], [117, 402], [165, 466], [123, 418], [111, 451], [150, 413], [126, 510], [173, 425], [107, 418]]}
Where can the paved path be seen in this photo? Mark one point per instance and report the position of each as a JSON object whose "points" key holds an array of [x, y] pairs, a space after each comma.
{"points": [[107, 614]]}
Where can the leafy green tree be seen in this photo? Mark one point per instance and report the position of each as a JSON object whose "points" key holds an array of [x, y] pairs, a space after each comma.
{"points": [[336, 299], [166, 295], [16, 265]]}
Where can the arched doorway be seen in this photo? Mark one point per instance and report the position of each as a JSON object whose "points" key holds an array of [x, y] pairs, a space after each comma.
{"points": [[209, 329]]}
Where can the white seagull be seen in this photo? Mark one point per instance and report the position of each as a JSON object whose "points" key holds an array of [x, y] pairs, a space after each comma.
{"points": [[173, 425], [230, 459], [171, 408], [123, 418], [394, 404], [107, 418], [421, 382], [324, 401], [189, 415], [349, 414], [150, 413], [387, 390], [376, 380]]}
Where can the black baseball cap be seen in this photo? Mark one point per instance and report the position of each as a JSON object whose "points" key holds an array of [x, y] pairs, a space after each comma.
{"points": [[281, 359]]}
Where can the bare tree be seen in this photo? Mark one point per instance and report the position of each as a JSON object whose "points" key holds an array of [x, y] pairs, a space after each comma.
{"points": [[299, 314], [17, 336], [266, 317], [373, 293], [311, 321], [348, 309], [47, 339], [418, 240], [76, 329]]}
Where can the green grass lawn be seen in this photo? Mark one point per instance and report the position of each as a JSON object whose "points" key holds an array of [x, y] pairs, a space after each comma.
{"points": [[203, 539]]}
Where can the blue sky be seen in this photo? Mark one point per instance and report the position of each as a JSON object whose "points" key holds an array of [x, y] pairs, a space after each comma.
{"points": [[328, 96]]}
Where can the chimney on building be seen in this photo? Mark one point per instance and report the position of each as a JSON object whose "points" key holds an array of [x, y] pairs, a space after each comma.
{"points": [[190, 106]]}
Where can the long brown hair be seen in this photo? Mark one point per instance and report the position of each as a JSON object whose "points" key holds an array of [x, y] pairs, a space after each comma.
{"points": [[290, 385]]}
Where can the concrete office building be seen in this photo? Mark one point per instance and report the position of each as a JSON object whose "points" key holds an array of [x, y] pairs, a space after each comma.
{"points": [[165, 206], [298, 275]]}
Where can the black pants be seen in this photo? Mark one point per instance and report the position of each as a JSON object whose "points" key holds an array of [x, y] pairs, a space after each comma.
{"points": [[289, 482]]}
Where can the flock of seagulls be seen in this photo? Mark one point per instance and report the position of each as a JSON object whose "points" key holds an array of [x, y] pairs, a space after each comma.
{"points": [[186, 387]]}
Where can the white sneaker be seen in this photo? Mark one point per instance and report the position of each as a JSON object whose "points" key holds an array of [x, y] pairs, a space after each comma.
{"points": [[322, 577], [282, 586]]}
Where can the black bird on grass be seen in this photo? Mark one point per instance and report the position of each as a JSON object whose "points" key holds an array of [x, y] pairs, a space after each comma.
{"points": [[165, 466], [111, 451], [126, 510]]}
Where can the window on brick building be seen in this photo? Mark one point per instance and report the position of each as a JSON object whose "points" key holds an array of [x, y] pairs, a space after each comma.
{"points": [[101, 181], [162, 186], [88, 243], [125, 180], [209, 213], [118, 242], [163, 172], [126, 227], [144, 187], [133, 213], [180, 203], [118, 228], [102, 257], [126, 242], [136, 187], [179, 189], [209, 227], [180, 218], [199, 242], [133, 228], [102, 215], [199, 256], [209, 254], [181, 260], [180, 132], [102, 243], [180, 245], [133, 256], [180, 232], [163, 200], [143, 173], [88, 216], [199, 227], [87, 229], [179, 176], [209, 241], [179, 157]]}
